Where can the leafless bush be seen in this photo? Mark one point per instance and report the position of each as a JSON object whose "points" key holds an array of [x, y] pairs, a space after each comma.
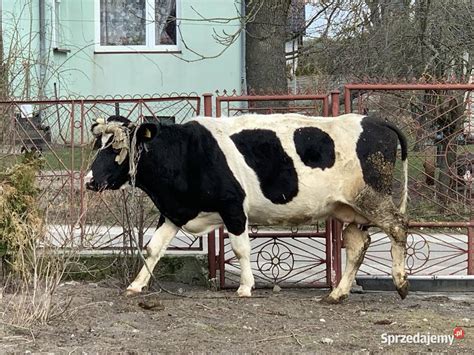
{"points": [[35, 266]]}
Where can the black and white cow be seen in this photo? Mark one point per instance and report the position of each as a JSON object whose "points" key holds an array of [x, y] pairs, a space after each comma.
{"points": [[260, 169]]}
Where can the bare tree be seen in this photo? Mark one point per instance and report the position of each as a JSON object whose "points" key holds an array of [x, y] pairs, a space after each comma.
{"points": [[394, 39]]}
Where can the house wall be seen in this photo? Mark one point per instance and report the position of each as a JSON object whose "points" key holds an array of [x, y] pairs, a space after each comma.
{"points": [[84, 72]]}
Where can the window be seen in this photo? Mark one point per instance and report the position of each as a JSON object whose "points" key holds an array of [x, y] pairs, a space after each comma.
{"points": [[56, 25], [136, 25]]}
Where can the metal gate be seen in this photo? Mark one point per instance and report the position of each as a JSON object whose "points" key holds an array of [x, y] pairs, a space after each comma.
{"points": [[59, 130], [299, 256], [438, 121]]}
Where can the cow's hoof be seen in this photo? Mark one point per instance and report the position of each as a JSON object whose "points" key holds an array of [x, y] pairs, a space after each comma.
{"points": [[332, 300], [130, 292], [403, 290], [244, 291]]}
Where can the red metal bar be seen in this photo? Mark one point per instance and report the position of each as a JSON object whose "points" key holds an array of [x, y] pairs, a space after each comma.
{"points": [[218, 107], [284, 235], [460, 224], [335, 103], [347, 99], [270, 97], [207, 104], [325, 107], [211, 254], [329, 273], [288, 235], [336, 227], [470, 251], [333, 225], [439, 86], [100, 100]]}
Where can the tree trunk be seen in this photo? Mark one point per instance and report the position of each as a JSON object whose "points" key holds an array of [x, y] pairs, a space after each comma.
{"points": [[266, 36]]}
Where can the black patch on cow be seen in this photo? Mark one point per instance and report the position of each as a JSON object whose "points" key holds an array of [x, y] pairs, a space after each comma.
{"points": [[161, 221], [377, 152], [275, 170], [315, 147], [185, 172]]}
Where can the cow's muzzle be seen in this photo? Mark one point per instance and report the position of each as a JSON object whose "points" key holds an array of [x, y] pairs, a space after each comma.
{"points": [[91, 185]]}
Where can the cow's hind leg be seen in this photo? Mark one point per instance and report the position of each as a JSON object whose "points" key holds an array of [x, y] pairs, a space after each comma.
{"points": [[381, 211], [356, 242], [241, 247], [155, 250]]}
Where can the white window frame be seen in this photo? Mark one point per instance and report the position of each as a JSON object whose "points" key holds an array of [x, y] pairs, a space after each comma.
{"points": [[55, 23], [149, 33]]}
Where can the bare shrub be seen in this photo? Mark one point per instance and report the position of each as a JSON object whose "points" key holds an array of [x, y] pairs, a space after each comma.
{"points": [[35, 267]]}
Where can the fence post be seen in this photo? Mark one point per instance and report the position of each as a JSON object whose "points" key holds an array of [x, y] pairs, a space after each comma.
{"points": [[326, 107], [207, 104], [334, 103], [335, 226], [347, 100], [211, 237]]}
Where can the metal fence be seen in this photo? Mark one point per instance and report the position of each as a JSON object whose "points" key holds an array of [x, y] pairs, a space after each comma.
{"points": [[438, 120], [60, 131]]}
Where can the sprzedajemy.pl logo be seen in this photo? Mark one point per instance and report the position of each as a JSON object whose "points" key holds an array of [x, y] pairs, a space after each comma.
{"points": [[423, 338]]}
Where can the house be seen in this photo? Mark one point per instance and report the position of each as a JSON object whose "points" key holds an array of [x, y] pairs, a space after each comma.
{"points": [[120, 47]]}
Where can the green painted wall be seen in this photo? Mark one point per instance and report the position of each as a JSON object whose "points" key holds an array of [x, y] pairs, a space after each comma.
{"points": [[83, 72]]}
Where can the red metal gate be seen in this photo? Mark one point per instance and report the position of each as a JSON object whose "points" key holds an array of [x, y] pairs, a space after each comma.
{"points": [[297, 256], [438, 122], [60, 129]]}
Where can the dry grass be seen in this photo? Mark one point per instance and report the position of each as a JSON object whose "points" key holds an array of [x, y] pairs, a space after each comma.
{"points": [[34, 267]]}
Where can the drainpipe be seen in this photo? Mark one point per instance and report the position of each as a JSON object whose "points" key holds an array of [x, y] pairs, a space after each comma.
{"points": [[42, 49], [243, 76]]}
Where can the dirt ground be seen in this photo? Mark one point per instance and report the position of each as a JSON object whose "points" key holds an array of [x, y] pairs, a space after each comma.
{"points": [[99, 318]]}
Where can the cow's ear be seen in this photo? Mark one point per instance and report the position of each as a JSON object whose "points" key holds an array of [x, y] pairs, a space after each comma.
{"points": [[146, 132]]}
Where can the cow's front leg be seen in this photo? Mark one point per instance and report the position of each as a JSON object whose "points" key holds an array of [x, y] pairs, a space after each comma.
{"points": [[235, 219], [241, 247], [155, 250]]}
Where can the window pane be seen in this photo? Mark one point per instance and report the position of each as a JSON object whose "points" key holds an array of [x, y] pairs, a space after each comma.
{"points": [[122, 22], [165, 22]]}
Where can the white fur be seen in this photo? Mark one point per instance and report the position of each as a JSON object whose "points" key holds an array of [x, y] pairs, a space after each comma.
{"points": [[156, 249], [88, 177]]}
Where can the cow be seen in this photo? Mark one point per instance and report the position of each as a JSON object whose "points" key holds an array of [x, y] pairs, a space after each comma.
{"points": [[276, 169]]}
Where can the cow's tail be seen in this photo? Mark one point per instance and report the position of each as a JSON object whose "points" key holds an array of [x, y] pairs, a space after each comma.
{"points": [[404, 150]]}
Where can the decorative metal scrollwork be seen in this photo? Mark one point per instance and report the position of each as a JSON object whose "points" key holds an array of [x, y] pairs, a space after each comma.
{"points": [[275, 260], [418, 252]]}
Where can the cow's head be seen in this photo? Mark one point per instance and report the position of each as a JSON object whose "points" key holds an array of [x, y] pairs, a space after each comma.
{"points": [[114, 137]]}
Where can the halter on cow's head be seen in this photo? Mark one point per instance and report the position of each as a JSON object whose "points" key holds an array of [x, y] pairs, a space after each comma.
{"points": [[117, 138]]}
